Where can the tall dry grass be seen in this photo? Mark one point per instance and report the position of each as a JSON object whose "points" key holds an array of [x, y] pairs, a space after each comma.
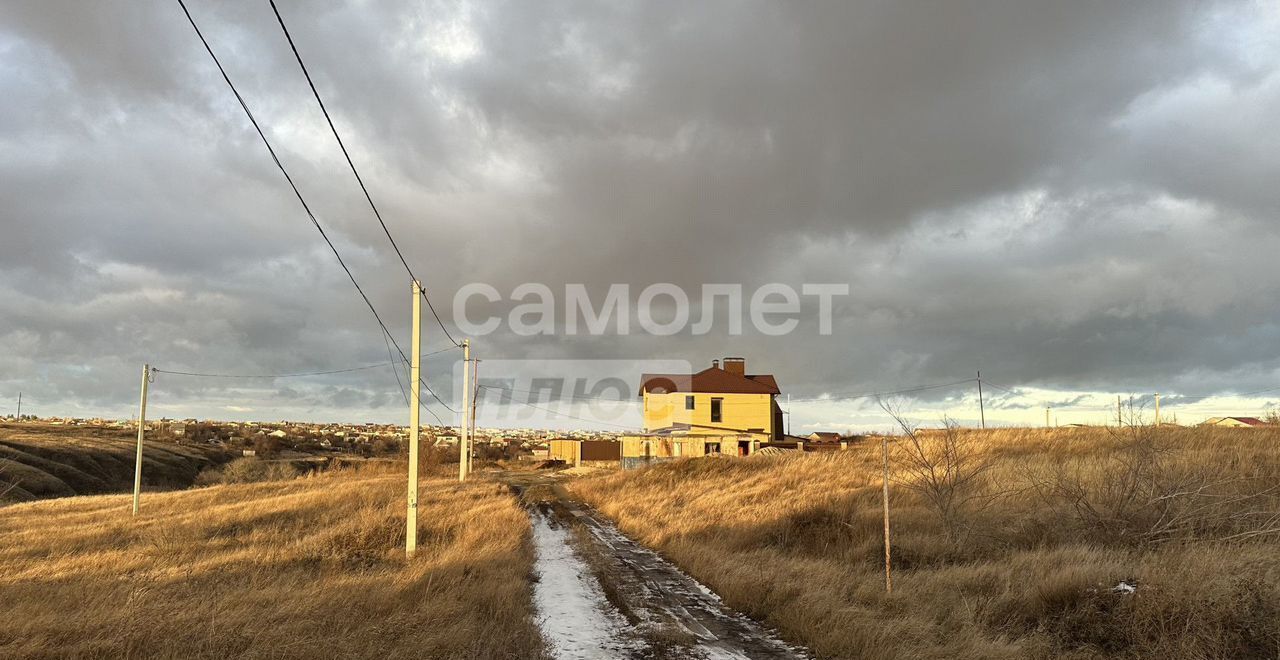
{"points": [[1020, 563], [304, 568]]}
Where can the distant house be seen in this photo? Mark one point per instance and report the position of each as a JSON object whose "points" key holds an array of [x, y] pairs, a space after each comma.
{"points": [[714, 400], [1234, 422], [719, 410], [824, 436]]}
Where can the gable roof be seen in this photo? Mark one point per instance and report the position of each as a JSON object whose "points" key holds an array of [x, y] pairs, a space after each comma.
{"points": [[713, 380]]}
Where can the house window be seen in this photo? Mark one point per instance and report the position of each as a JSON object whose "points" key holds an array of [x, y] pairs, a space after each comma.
{"points": [[688, 402], [712, 448], [716, 404]]}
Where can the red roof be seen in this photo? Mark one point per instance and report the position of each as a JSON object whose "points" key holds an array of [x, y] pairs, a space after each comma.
{"points": [[713, 380]]}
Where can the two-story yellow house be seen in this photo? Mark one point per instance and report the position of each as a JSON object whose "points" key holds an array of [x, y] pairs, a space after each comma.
{"points": [[721, 409]]}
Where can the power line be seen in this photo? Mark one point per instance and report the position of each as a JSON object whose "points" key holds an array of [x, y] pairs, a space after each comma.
{"points": [[395, 371], [556, 412], [298, 194], [254, 376], [354, 171], [291, 375], [866, 395]]}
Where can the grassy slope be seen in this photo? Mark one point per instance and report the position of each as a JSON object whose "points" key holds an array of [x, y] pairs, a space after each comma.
{"points": [[311, 567], [797, 541], [55, 461]]}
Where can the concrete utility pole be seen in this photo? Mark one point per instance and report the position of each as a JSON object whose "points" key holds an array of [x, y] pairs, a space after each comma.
{"points": [[1046, 416], [788, 413], [19, 406], [982, 411], [464, 439], [1157, 409], [415, 426], [142, 430], [475, 395], [888, 577]]}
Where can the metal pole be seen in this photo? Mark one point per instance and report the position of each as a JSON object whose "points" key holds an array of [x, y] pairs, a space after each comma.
{"points": [[142, 429], [464, 444], [415, 426], [982, 411], [888, 577]]}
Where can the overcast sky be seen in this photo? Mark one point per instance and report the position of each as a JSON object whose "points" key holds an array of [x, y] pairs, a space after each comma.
{"points": [[1077, 198]]}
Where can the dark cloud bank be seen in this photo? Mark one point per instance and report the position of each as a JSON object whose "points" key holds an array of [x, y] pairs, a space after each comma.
{"points": [[1066, 195]]}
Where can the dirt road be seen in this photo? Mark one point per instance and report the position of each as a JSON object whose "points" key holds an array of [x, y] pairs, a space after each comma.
{"points": [[602, 595]]}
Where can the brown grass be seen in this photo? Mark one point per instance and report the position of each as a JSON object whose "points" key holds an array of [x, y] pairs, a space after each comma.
{"points": [[1021, 567], [40, 461], [304, 568]]}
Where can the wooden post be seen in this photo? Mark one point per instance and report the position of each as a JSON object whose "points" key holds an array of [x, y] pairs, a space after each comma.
{"points": [[888, 576], [142, 430], [415, 425], [982, 409]]}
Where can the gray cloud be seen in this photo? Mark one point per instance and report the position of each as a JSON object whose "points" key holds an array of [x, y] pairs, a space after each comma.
{"points": [[1067, 195]]}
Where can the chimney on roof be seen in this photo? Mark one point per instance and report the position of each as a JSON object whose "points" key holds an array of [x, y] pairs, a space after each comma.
{"points": [[736, 366], [715, 364]]}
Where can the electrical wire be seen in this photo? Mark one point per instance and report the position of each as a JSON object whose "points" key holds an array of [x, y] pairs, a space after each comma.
{"points": [[354, 171], [244, 106], [556, 412]]}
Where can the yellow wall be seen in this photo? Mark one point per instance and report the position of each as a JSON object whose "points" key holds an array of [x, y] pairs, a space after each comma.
{"points": [[739, 412], [569, 451], [692, 446]]}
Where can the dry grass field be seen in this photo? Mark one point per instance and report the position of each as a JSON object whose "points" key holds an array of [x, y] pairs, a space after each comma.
{"points": [[1007, 544], [304, 568], [40, 461]]}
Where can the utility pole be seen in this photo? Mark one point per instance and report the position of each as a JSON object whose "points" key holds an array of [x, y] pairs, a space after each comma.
{"points": [[1046, 416], [19, 406], [1119, 412], [888, 577], [788, 413], [1157, 409], [982, 411], [475, 391], [464, 438], [142, 430], [415, 426]]}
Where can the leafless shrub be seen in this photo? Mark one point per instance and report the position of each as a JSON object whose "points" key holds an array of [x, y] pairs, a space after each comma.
{"points": [[6, 486], [947, 468], [1141, 490]]}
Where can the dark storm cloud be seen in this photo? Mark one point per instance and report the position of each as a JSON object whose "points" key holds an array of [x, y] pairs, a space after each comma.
{"points": [[1075, 195]]}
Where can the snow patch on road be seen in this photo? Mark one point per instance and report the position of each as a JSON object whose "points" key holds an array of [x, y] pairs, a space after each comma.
{"points": [[577, 621]]}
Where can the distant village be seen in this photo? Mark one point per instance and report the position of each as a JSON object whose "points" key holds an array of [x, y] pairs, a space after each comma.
{"points": [[366, 439]]}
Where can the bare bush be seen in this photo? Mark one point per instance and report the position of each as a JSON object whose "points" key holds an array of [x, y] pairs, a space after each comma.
{"points": [[247, 470], [1140, 489], [947, 468], [6, 486]]}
